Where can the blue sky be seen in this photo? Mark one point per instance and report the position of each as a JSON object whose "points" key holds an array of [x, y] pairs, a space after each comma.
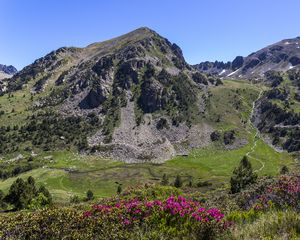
{"points": [[204, 29]]}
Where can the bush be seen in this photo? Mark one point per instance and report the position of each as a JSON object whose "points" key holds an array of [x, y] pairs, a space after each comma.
{"points": [[89, 195], [284, 170], [167, 215], [75, 199], [172, 218], [165, 180], [283, 194], [242, 176], [40, 201], [272, 225]]}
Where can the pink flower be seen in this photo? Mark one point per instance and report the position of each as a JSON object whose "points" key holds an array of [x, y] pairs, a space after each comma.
{"points": [[87, 214]]}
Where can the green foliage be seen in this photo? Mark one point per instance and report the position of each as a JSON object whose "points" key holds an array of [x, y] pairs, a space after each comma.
{"points": [[48, 131], [74, 199], [151, 192], [178, 181], [244, 216], [40, 201], [22, 193], [242, 176], [284, 170], [271, 225], [165, 180], [119, 189], [43, 190], [111, 108], [2, 202], [15, 168], [89, 195]]}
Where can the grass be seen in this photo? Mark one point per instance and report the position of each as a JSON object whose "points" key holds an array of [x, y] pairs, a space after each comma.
{"points": [[66, 173], [271, 225], [72, 174]]}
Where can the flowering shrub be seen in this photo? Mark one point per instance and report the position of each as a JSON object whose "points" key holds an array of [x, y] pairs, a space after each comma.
{"points": [[284, 193], [167, 214]]}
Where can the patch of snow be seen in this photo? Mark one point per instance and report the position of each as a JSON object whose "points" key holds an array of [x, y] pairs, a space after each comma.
{"points": [[286, 43], [298, 47], [230, 74], [222, 72], [290, 67]]}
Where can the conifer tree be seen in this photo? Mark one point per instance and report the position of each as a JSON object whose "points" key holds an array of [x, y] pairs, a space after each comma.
{"points": [[242, 176]]}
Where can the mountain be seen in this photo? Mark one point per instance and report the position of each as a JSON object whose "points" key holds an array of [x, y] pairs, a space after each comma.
{"points": [[280, 56], [7, 71], [10, 70], [132, 98]]}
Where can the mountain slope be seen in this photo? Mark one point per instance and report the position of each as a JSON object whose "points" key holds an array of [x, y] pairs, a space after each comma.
{"points": [[132, 98], [277, 114], [280, 56]]}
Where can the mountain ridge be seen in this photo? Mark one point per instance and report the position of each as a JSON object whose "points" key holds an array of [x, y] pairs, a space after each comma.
{"points": [[281, 56], [143, 97], [7, 71]]}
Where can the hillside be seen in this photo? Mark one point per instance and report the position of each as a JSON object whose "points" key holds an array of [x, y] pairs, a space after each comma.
{"points": [[137, 97], [280, 56], [277, 114]]}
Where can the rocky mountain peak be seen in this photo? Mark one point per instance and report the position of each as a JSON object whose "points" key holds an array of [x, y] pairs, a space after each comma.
{"points": [[8, 69], [142, 95], [281, 56]]}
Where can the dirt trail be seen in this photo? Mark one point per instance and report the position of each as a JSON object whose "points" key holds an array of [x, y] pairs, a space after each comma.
{"points": [[256, 137]]}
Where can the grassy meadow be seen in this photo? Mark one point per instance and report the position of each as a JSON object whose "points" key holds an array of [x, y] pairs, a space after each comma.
{"points": [[67, 173]]}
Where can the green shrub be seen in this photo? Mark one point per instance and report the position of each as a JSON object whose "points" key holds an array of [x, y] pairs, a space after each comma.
{"points": [[22, 193], [272, 225], [243, 216], [74, 199], [89, 195], [178, 182], [242, 176]]}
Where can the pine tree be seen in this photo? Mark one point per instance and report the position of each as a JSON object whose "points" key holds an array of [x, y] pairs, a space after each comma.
{"points": [[21, 193], [178, 182], [89, 195], [242, 176], [119, 189], [190, 182], [165, 180], [46, 193]]}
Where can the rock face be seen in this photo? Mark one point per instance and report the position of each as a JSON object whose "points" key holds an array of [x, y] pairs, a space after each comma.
{"points": [[6, 72], [281, 56], [145, 97], [10, 70]]}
